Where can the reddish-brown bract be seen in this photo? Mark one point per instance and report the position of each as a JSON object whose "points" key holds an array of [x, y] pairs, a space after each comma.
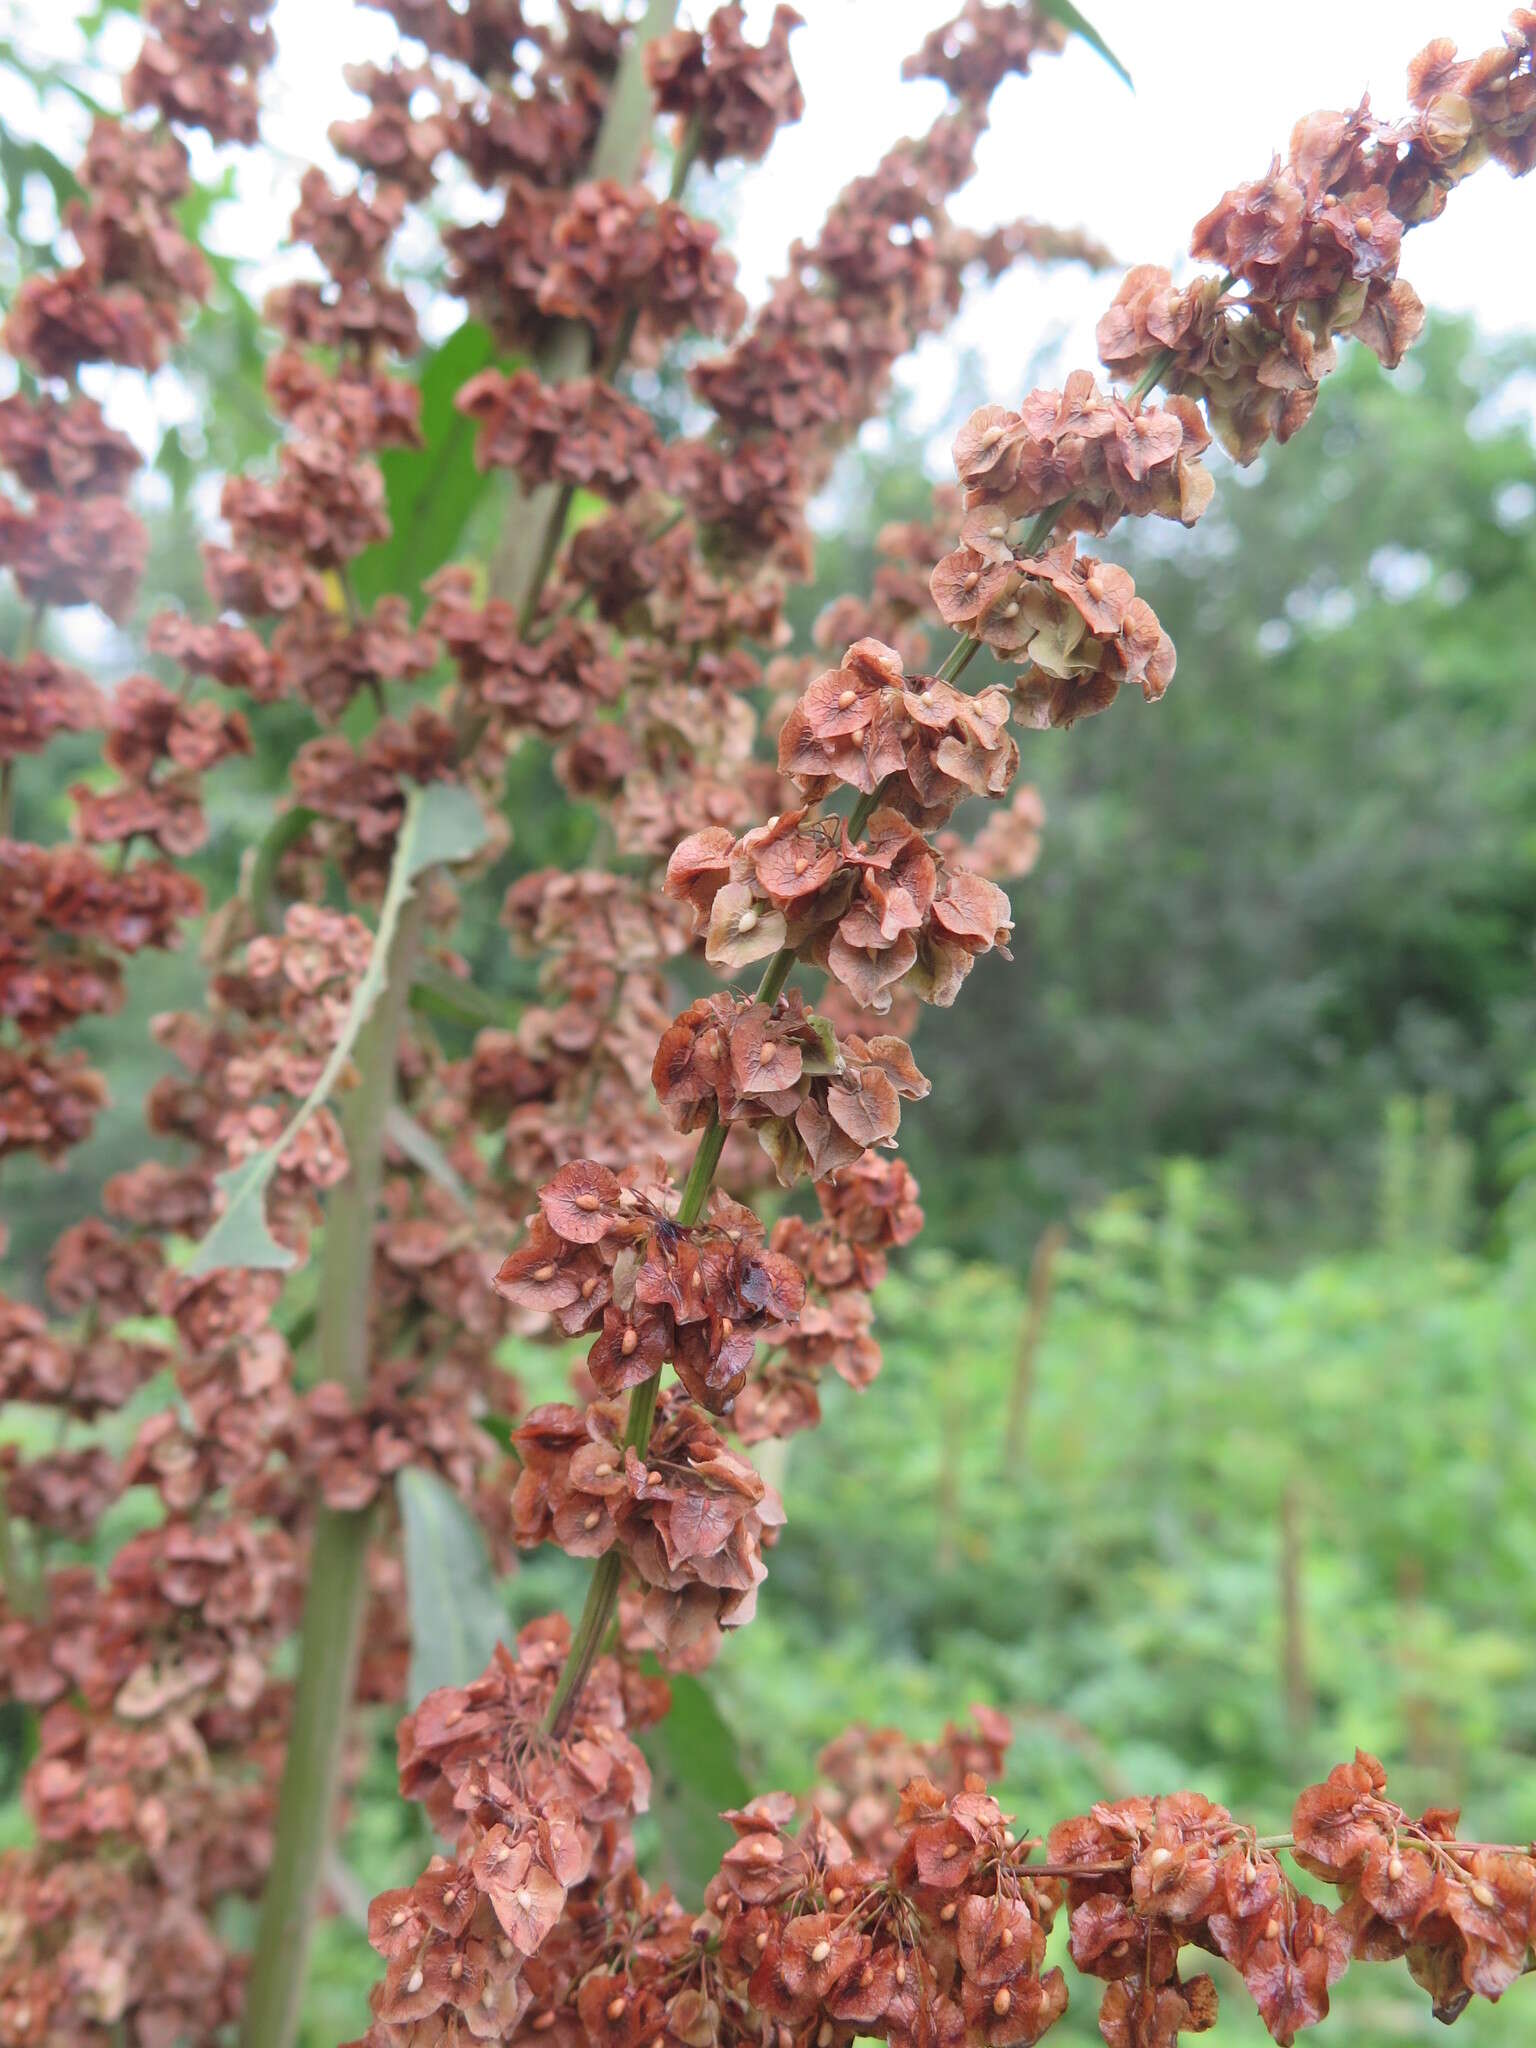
{"points": [[641, 641]]}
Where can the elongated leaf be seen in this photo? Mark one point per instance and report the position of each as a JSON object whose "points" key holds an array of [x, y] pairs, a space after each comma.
{"points": [[442, 824], [1073, 18], [457, 1617], [430, 490], [259, 870], [692, 1754], [423, 1150], [436, 993], [448, 827]]}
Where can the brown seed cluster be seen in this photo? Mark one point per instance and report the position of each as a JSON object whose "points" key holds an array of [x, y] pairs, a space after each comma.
{"points": [[639, 641], [602, 1254], [691, 1516]]}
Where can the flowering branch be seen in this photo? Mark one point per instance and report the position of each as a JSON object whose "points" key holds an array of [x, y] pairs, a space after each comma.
{"points": [[176, 1767]]}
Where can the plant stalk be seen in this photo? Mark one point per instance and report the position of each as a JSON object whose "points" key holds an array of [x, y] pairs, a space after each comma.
{"points": [[1042, 1273], [328, 1647], [535, 521], [603, 1588], [337, 1590], [336, 1598]]}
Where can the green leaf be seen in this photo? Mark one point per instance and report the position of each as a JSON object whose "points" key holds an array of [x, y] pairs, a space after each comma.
{"points": [[241, 1237], [692, 1754], [423, 1150], [259, 869], [448, 827], [1073, 18], [19, 159], [431, 490], [436, 993], [456, 1611], [827, 1059], [442, 824]]}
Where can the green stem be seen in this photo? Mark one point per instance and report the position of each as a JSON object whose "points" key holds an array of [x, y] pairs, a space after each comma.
{"points": [[535, 522], [259, 883], [603, 1587], [338, 1586], [328, 1646], [602, 1598], [334, 1604], [23, 1593]]}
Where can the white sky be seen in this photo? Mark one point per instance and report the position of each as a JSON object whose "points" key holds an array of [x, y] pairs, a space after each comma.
{"points": [[1218, 85]]}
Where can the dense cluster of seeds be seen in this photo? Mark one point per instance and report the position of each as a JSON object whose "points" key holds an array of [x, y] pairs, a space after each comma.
{"points": [[643, 641]]}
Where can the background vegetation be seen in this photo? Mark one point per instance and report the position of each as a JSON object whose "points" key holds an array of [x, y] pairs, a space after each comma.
{"points": [[1258, 1480]]}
